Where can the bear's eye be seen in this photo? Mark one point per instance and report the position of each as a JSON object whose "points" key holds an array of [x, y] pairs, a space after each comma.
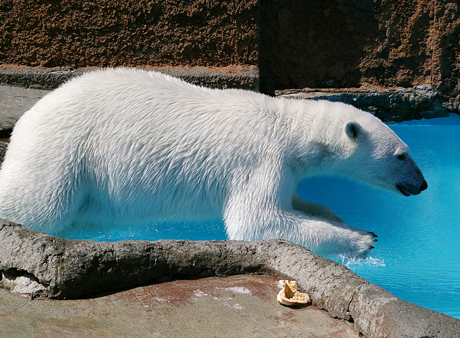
{"points": [[402, 157]]}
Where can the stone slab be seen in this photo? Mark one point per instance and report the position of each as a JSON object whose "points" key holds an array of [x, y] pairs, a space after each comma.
{"points": [[235, 306], [214, 77], [15, 101]]}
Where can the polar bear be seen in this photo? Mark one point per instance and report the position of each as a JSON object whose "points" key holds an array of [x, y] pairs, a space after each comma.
{"points": [[123, 147]]}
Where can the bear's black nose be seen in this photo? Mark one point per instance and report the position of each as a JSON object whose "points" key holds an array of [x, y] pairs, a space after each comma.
{"points": [[424, 186]]}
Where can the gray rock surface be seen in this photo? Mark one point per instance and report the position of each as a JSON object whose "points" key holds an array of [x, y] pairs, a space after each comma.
{"points": [[47, 266], [210, 78], [14, 102], [395, 105], [38, 79], [232, 307], [50, 79]]}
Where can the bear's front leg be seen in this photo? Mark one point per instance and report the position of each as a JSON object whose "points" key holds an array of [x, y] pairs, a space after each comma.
{"points": [[308, 224], [319, 213]]}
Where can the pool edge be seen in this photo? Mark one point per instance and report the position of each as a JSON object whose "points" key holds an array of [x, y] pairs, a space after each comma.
{"points": [[61, 268]]}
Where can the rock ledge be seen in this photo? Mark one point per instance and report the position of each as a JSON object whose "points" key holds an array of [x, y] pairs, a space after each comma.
{"points": [[44, 266], [389, 105]]}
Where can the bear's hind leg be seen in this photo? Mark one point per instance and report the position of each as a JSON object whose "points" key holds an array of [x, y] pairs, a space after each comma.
{"points": [[314, 209]]}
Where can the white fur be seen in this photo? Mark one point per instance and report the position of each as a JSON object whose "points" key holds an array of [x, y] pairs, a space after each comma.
{"points": [[123, 146]]}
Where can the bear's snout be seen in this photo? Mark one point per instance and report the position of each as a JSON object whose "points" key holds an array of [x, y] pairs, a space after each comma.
{"points": [[409, 189], [413, 182]]}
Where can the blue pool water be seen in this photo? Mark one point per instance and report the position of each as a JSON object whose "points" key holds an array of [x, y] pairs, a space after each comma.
{"points": [[417, 256]]}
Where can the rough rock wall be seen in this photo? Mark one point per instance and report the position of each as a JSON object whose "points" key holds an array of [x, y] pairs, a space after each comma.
{"points": [[76, 33], [360, 43], [371, 44]]}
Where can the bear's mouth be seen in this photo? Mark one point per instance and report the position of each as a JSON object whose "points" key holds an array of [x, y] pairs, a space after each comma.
{"points": [[402, 191]]}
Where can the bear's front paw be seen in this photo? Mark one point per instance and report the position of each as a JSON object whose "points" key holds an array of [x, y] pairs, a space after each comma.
{"points": [[363, 242], [340, 239]]}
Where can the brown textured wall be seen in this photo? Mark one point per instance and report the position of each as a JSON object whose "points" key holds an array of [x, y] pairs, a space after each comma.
{"points": [[308, 43], [82, 33], [295, 43], [360, 43]]}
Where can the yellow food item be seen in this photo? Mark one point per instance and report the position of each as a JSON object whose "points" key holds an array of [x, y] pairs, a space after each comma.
{"points": [[290, 296]]}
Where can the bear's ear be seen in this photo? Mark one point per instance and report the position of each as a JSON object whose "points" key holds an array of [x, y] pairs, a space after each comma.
{"points": [[353, 130]]}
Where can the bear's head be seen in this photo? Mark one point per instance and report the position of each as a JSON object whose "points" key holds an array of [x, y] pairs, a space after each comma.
{"points": [[376, 155]]}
